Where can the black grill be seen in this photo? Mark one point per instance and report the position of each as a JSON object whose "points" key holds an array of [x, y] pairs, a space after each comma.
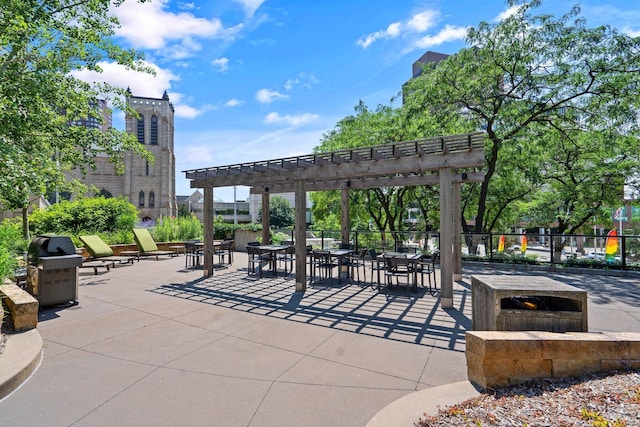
{"points": [[52, 271]]}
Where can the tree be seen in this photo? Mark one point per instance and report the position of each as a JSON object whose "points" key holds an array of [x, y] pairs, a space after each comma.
{"points": [[41, 44], [538, 84], [281, 214], [183, 211], [386, 207]]}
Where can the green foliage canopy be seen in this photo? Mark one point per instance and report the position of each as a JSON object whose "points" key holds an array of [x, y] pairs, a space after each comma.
{"points": [[385, 207], [281, 214], [545, 89], [87, 215], [42, 44]]}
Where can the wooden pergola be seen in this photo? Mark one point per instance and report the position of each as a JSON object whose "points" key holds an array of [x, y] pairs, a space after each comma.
{"points": [[428, 161]]}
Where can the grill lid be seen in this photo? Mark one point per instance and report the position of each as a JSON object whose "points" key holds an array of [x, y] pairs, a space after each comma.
{"points": [[47, 246]]}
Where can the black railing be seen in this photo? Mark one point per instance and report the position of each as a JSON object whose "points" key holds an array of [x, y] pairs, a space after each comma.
{"points": [[550, 249]]}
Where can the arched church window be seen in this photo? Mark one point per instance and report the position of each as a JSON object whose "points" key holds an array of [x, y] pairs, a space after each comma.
{"points": [[140, 130], [106, 194], [154, 130]]}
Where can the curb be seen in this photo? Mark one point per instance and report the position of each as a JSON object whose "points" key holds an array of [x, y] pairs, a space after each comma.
{"points": [[406, 411], [21, 357]]}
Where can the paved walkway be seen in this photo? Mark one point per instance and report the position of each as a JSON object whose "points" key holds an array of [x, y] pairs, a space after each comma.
{"points": [[157, 344]]}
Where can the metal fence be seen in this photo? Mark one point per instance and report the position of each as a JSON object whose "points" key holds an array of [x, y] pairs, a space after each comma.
{"points": [[559, 249]]}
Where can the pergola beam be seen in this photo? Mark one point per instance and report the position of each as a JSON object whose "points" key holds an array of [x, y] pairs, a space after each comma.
{"points": [[349, 170], [365, 183]]}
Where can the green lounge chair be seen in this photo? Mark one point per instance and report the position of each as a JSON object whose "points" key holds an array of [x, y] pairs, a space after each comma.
{"points": [[100, 251], [100, 254], [147, 245]]}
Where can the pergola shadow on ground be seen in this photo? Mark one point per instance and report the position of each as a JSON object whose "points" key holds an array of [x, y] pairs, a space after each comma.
{"points": [[391, 314]]}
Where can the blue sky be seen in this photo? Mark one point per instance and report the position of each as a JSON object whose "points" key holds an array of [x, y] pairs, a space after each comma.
{"points": [[264, 79]]}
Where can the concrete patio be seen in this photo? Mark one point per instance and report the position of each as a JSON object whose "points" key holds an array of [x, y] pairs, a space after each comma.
{"points": [[157, 344]]}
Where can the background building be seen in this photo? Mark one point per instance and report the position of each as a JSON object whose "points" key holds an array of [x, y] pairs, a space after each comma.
{"points": [[231, 212], [148, 186], [152, 186], [416, 68]]}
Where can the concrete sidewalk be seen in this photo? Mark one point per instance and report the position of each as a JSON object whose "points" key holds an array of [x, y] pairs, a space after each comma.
{"points": [[157, 344]]}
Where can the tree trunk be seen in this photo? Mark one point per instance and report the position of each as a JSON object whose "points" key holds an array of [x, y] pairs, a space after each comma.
{"points": [[25, 222]]}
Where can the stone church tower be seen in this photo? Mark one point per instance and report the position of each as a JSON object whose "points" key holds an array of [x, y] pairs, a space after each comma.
{"points": [[151, 186]]}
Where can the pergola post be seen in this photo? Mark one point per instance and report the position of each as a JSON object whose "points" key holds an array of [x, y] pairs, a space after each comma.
{"points": [[301, 235], [446, 240], [345, 226], [266, 234], [208, 231], [457, 231]]}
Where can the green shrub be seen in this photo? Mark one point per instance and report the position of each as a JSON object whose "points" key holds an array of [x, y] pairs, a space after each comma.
{"points": [[277, 238], [8, 264], [171, 229], [88, 215], [12, 246], [11, 236]]}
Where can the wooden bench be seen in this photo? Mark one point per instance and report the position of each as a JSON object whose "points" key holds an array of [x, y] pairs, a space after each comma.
{"points": [[22, 306]]}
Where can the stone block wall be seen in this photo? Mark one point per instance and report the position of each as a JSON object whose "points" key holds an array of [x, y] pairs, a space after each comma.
{"points": [[21, 305], [503, 358]]}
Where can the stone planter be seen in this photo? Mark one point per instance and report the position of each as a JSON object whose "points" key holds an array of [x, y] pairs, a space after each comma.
{"points": [[242, 237]]}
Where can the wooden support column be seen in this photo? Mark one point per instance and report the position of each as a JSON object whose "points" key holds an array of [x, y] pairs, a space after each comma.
{"points": [[301, 236], [457, 232], [446, 240], [266, 235], [345, 226], [208, 231]]}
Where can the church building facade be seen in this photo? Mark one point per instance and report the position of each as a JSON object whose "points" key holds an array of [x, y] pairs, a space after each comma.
{"points": [[150, 186]]}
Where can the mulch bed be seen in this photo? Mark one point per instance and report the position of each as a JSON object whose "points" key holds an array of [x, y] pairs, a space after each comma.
{"points": [[601, 400]]}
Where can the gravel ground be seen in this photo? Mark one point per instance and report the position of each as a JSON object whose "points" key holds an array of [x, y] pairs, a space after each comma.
{"points": [[594, 400]]}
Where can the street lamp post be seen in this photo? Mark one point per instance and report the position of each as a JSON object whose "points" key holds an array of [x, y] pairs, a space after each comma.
{"points": [[235, 207]]}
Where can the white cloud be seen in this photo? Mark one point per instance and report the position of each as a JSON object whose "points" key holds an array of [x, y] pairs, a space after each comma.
{"points": [[144, 26], [198, 154], [390, 32], [266, 96], [141, 84], [295, 120], [186, 111], [182, 50], [218, 146], [222, 64], [291, 83], [186, 6], [507, 13], [250, 6], [631, 33], [422, 21], [418, 23], [183, 109], [393, 30], [303, 79], [233, 102], [447, 34]]}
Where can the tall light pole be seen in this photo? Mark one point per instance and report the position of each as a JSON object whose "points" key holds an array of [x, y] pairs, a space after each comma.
{"points": [[235, 207]]}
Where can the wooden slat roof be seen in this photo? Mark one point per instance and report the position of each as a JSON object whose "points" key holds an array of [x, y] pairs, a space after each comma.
{"points": [[362, 164]]}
